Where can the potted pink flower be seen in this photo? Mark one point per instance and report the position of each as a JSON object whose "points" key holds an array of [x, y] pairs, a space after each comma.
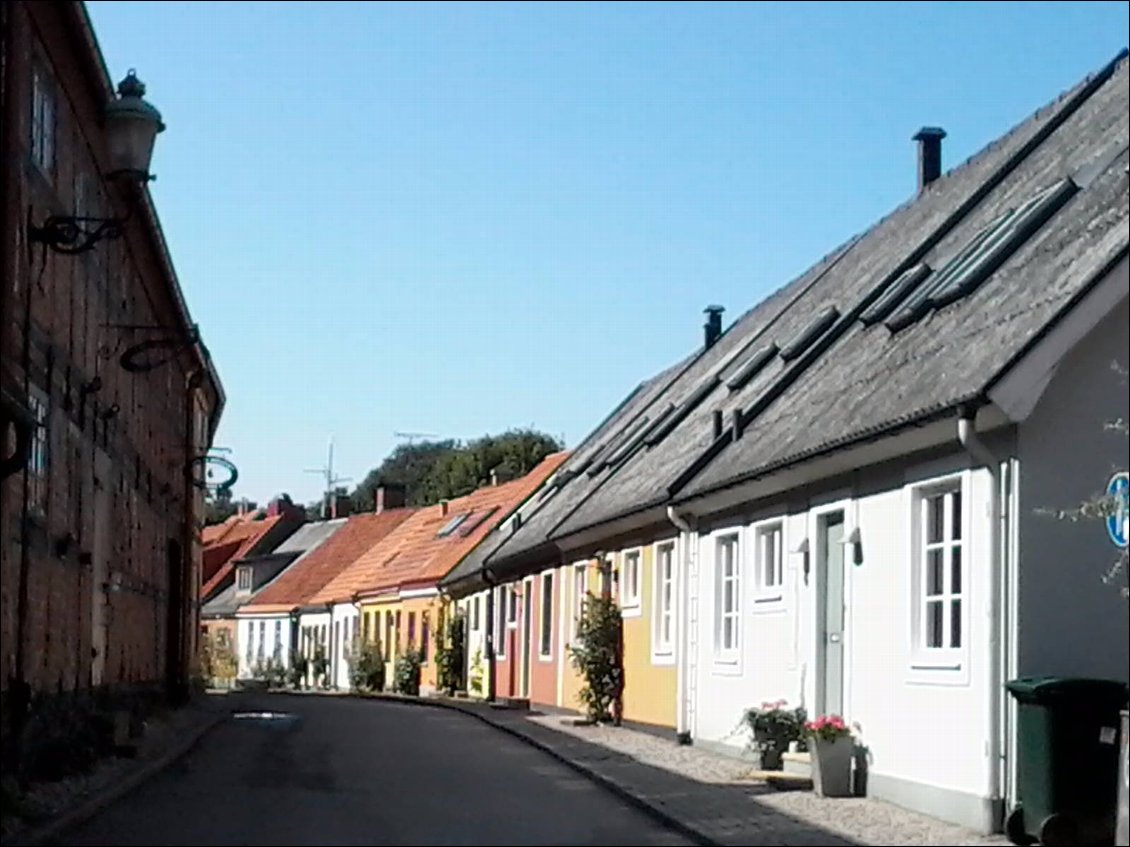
{"points": [[832, 749]]}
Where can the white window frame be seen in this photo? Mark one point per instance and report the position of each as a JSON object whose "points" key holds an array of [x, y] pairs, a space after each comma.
{"points": [[243, 578], [499, 622], [44, 118], [512, 606], [727, 655], [768, 595], [580, 589], [663, 650], [631, 588], [946, 664], [544, 625]]}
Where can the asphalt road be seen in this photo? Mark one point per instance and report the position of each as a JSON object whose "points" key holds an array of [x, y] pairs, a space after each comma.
{"points": [[344, 771]]}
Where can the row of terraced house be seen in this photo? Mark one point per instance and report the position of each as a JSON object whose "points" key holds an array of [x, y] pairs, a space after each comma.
{"points": [[837, 500]]}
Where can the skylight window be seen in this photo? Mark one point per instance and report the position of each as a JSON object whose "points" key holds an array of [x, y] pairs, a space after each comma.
{"points": [[623, 439], [810, 333], [984, 254], [752, 367], [895, 294], [684, 409], [475, 521], [452, 525]]}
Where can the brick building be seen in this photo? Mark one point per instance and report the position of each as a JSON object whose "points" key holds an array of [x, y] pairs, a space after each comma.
{"points": [[109, 396]]}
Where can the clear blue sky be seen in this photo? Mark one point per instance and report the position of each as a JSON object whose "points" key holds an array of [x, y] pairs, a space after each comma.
{"points": [[458, 219]]}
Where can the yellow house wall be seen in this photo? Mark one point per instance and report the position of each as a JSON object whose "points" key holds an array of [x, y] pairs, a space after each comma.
{"points": [[649, 688], [383, 608]]}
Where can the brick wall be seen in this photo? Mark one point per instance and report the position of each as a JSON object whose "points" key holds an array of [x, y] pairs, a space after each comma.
{"points": [[100, 544]]}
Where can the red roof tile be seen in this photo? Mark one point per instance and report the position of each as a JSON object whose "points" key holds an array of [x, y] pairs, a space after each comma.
{"points": [[298, 584], [248, 534], [415, 554]]}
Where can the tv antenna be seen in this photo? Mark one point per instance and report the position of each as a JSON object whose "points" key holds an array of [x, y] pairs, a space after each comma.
{"points": [[332, 480], [413, 437]]}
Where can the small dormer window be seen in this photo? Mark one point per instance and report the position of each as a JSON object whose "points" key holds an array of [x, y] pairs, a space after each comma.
{"points": [[243, 579]]}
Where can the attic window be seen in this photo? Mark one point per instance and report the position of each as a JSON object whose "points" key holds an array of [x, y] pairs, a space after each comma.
{"points": [[243, 579], [471, 525], [810, 333], [984, 254], [752, 367], [452, 525], [895, 294]]}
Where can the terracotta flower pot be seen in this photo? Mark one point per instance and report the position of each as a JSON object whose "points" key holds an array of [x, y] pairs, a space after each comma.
{"points": [[831, 766]]}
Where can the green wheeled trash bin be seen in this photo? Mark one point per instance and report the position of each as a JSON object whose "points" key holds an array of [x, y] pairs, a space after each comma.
{"points": [[1067, 760]]}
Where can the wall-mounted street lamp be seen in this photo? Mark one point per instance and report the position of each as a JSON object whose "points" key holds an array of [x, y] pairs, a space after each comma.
{"points": [[131, 125]]}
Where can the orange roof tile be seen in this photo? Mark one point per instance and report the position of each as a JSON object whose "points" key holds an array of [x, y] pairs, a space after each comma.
{"points": [[298, 583], [248, 534], [416, 554]]}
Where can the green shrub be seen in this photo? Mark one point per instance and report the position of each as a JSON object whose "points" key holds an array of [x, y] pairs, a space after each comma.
{"points": [[296, 673], [366, 666], [451, 654], [321, 668], [475, 683], [595, 653], [407, 674]]}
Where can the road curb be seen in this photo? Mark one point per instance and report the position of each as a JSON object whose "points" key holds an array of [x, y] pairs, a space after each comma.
{"points": [[646, 806], [109, 795]]}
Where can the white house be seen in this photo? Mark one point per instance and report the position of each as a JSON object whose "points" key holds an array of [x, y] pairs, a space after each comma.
{"points": [[858, 468]]}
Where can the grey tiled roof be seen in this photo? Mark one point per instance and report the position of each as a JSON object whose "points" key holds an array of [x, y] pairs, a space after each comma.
{"points": [[858, 380]]}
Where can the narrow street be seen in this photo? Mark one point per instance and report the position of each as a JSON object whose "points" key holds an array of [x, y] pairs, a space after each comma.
{"points": [[343, 771]]}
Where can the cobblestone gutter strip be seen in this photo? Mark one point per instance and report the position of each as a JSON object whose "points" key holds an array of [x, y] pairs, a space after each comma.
{"points": [[75, 801]]}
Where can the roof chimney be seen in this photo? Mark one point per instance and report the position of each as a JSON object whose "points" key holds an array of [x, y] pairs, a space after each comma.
{"points": [[929, 140], [340, 506], [443, 504], [390, 495], [713, 327]]}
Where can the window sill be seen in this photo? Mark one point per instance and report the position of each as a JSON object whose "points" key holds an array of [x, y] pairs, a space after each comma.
{"points": [[634, 610], [769, 602], [946, 669], [726, 666], [545, 657], [663, 659]]}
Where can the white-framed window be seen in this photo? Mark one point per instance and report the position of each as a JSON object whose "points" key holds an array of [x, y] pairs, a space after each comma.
{"points": [[545, 640], [727, 597], [38, 456], [278, 640], [262, 639], [940, 579], [580, 587], [249, 653], [475, 613], [43, 119], [941, 570], [243, 579], [512, 605], [500, 622], [769, 564], [631, 564], [663, 603]]}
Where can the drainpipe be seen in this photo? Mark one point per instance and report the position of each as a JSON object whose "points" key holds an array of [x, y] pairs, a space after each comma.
{"points": [[970, 440], [687, 549], [488, 578]]}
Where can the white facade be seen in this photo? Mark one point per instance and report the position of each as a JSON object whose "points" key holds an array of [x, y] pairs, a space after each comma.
{"points": [[346, 623], [944, 598], [262, 639], [315, 631]]}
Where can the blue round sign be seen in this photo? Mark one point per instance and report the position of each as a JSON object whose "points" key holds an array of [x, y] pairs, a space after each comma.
{"points": [[1118, 524]]}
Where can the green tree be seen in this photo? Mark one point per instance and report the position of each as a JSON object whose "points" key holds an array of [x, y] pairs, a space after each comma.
{"points": [[437, 470], [218, 506]]}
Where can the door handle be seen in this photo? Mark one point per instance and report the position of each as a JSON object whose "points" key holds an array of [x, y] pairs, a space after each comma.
{"points": [[833, 638]]}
